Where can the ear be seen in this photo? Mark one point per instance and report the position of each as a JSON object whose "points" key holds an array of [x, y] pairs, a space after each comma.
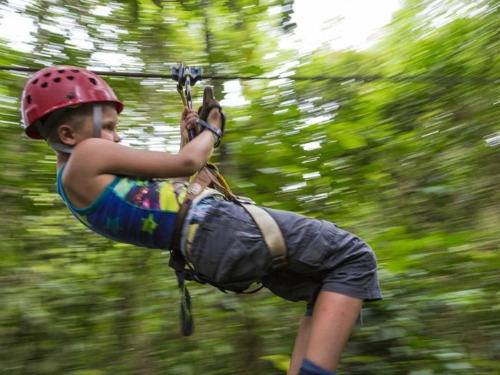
{"points": [[65, 133]]}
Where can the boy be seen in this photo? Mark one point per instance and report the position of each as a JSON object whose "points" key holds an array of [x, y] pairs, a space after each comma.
{"points": [[134, 196]]}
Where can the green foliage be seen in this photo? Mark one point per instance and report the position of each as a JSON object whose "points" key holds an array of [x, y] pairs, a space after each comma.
{"points": [[396, 146]]}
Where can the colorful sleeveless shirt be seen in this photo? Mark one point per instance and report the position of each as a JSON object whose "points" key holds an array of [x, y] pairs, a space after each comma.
{"points": [[135, 211]]}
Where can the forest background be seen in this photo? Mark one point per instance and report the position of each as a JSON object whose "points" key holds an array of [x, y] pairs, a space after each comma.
{"points": [[398, 143]]}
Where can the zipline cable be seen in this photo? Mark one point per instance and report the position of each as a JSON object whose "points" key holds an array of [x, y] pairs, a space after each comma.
{"points": [[361, 78]]}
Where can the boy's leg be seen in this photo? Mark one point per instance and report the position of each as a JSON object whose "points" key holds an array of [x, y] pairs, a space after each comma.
{"points": [[327, 333], [299, 350]]}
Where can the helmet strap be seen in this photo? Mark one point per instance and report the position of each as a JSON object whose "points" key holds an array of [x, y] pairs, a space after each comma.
{"points": [[61, 147], [97, 117], [45, 128]]}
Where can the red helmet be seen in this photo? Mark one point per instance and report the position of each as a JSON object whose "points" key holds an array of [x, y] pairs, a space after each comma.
{"points": [[61, 86]]}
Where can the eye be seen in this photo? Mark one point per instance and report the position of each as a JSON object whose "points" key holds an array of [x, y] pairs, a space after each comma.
{"points": [[109, 126]]}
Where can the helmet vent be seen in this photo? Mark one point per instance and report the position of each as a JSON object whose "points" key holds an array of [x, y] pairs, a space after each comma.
{"points": [[28, 99], [57, 80], [71, 95], [34, 82], [61, 71], [93, 81], [44, 85], [47, 74], [70, 78]]}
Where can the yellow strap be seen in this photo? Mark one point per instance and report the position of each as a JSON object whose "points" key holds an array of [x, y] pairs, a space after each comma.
{"points": [[271, 233], [223, 182]]}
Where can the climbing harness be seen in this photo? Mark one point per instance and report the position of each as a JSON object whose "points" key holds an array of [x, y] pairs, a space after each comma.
{"points": [[209, 176]]}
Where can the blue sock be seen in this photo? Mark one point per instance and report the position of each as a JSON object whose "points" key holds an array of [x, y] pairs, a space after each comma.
{"points": [[310, 368]]}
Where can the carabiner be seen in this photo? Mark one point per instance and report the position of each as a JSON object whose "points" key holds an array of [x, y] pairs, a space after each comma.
{"points": [[185, 76]]}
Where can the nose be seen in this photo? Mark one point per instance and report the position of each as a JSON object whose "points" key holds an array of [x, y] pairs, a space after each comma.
{"points": [[117, 138]]}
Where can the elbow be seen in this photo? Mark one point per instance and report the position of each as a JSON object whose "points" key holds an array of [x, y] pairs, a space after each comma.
{"points": [[192, 158], [193, 165]]}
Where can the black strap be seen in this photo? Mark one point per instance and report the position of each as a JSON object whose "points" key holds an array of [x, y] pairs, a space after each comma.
{"points": [[208, 104], [187, 323], [213, 129]]}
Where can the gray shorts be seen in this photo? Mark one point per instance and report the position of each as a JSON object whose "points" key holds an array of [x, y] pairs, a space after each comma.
{"points": [[228, 250]]}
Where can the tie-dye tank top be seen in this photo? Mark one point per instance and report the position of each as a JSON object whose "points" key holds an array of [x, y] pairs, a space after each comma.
{"points": [[135, 211]]}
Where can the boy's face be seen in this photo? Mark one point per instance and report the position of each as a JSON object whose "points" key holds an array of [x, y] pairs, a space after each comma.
{"points": [[108, 131]]}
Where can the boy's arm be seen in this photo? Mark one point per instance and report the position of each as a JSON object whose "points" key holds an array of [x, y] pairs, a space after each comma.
{"points": [[94, 156]]}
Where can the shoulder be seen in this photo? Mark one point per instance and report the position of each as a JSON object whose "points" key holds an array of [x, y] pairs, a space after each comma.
{"points": [[94, 145], [90, 157], [82, 179]]}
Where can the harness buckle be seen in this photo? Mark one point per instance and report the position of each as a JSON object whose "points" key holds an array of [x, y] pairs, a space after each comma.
{"points": [[244, 200]]}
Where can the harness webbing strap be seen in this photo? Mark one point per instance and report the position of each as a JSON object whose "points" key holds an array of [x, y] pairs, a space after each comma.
{"points": [[271, 233], [209, 176], [202, 180], [97, 117], [177, 261]]}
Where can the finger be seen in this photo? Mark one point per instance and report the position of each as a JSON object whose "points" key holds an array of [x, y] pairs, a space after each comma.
{"points": [[191, 119], [185, 112]]}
